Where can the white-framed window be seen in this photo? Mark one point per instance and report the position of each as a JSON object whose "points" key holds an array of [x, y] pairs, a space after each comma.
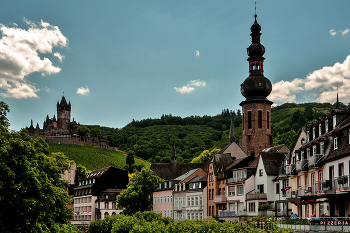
{"points": [[175, 201], [171, 213], [232, 191], [188, 215], [240, 190], [157, 200], [200, 201], [183, 201], [192, 201], [175, 187], [188, 201], [321, 148], [334, 121], [326, 126], [160, 185], [184, 187], [161, 199], [314, 150], [171, 199], [200, 216], [302, 155], [168, 199], [196, 199], [335, 143], [165, 185], [320, 129]]}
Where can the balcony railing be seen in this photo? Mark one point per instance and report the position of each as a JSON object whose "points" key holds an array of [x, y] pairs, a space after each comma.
{"points": [[302, 165], [291, 169], [342, 183], [235, 180], [256, 196], [307, 191], [292, 193], [282, 171], [225, 213], [220, 199], [314, 160]]}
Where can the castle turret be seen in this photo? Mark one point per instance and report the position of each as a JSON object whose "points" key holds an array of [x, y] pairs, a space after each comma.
{"points": [[63, 114], [256, 108]]}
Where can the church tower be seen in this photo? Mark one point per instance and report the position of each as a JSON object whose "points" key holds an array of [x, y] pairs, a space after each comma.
{"points": [[63, 114], [256, 108]]}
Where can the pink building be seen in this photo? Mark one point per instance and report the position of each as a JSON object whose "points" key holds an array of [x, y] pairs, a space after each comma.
{"points": [[163, 198]]}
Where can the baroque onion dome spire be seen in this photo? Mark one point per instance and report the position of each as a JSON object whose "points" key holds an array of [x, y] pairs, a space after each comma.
{"points": [[256, 86], [232, 130]]}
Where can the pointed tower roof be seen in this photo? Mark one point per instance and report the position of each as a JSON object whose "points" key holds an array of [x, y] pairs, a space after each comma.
{"points": [[232, 136], [173, 156], [54, 118]]}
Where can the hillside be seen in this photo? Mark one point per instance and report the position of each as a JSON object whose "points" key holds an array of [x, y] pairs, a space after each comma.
{"points": [[152, 139], [93, 157]]}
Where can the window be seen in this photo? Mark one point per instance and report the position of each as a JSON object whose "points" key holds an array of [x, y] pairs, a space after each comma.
{"points": [[313, 179], [260, 188], [188, 215], [200, 201], [106, 205], [268, 120], [171, 213], [184, 187], [212, 193], [209, 211], [322, 148], [307, 136], [157, 200], [200, 216], [334, 121], [106, 214], [277, 188], [192, 201], [335, 143], [298, 181], [320, 129], [154, 200], [168, 198], [340, 169], [175, 201], [161, 199], [261, 172], [165, 185], [240, 190], [164, 199], [308, 153], [188, 201], [249, 119], [113, 205], [252, 207], [314, 150], [306, 181], [302, 155], [171, 199], [231, 191], [326, 126], [196, 201], [313, 133], [209, 194], [183, 201], [320, 176], [259, 119], [321, 209]]}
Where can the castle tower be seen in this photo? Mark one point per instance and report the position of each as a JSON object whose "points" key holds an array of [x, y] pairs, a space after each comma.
{"points": [[256, 108], [63, 114]]}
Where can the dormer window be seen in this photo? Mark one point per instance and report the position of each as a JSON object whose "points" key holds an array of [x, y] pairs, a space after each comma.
{"points": [[200, 185], [320, 129], [184, 187], [322, 148], [313, 133], [335, 143], [326, 126], [160, 185], [307, 136], [79, 183], [302, 141], [175, 187], [314, 150], [334, 121], [165, 185]]}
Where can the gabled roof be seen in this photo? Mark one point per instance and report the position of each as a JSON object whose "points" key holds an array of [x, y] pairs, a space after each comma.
{"points": [[167, 171], [220, 162], [240, 163], [198, 179], [185, 175], [272, 162], [276, 148]]}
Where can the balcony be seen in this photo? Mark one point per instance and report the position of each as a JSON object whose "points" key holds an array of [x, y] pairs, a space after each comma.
{"points": [[291, 170], [291, 193], [341, 184], [302, 165], [235, 180], [220, 199], [314, 161], [225, 213], [257, 196], [307, 191], [325, 187], [282, 172]]}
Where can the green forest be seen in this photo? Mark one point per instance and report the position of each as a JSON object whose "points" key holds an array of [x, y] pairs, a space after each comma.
{"points": [[152, 139]]}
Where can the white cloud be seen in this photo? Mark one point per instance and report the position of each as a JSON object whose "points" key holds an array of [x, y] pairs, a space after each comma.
{"points": [[320, 85], [197, 53], [83, 91], [190, 87], [332, 32], [285, 91], [345, 32], [184, 89], [21, 54], [59, 56]]}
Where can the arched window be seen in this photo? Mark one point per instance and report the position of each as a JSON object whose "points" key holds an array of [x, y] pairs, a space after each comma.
{"points": [[106, 214], [113, 213], [106, 205]]}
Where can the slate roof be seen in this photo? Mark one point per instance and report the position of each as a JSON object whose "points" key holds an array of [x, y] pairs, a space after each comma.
{"points": [[167, 171], [240, 163], [220, 162], [198, 179], [272, 162], [275, 148]]}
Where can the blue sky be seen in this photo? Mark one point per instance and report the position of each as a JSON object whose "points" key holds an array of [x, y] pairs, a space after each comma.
{"points": [[121, 60]]}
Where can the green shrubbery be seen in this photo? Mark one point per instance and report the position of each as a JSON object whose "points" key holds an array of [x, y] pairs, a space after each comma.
{"points": [[147, 222]]}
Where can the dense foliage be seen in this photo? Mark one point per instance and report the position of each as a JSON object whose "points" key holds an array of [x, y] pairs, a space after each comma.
{"points": [[138, 195], [94, 157], [33, 197], [152, 139], [148, 222]]}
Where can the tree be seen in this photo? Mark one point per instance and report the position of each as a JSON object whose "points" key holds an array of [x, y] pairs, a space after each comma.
{"points": [[33, 197], [82, 130], [139, 193], [130, 160], [4, 109], [80, 173], [95, 132]]}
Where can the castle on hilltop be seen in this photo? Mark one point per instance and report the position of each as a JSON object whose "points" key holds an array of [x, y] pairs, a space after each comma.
{"points": [[63, 130]]}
